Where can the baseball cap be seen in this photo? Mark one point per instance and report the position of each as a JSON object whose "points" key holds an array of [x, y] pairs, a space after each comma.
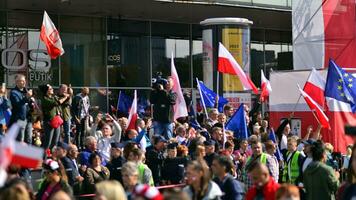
{"points": [[62, 145], [309, 141], [209, 143]]}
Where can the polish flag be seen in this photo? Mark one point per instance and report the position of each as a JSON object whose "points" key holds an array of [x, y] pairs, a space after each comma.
{"points": [[180, 108], [50, 36], [27, 156], [133, 113], [265, 87], [314, 107], [315, 87], [228, 65], [323, 30]]}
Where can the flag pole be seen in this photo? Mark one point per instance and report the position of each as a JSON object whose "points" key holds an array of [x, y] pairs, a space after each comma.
{"points": [[202, 100], [217, 83], [315, 117], [300, 95], [118, 103], [224, 136]]}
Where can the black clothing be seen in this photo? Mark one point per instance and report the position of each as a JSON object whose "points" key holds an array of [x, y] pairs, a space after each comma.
{"points": [[173, 170], [114, 167], [163, 105], [230, 187], [154, 160], [209, 158]]}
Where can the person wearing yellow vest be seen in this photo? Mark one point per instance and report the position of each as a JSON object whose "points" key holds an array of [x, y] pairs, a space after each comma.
{"points": [[257, 156], [144, 172], [293, 163]]}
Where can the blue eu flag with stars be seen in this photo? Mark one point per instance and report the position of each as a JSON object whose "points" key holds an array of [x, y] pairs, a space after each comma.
{"points": [[208, 96], [341, 85]]}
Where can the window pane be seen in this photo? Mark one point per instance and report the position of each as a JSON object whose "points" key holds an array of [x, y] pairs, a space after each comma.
{"points": [[197, 53], [83, 63], [168, 38], [256, 62], [128, 53]]}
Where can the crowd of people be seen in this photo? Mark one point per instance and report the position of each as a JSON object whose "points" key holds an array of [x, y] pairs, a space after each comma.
{"points": [[100, 157]]}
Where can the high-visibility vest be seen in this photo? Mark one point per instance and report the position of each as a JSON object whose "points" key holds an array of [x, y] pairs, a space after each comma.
{"points": [[141, 172], [292, 167], [263, 159]]}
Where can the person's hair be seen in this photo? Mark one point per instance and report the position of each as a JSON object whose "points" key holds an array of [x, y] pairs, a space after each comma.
{"points": [[180, 128], [329, 147], [216, 129], [92, 157], [256, 165], [226, 162], [213, 110], [293, 139], [199, 149], [128, 148], [287, 189], [137, 152], [201, 166], [14, 193], [18, 76], [229, 143], [138, 121], [181, 149], [175, 194], [242, 141], [318, 150], [269, 145], [112, 190], [351, 173], [89, 140], [63, 85], [62, 191], [227, 107], [129, 168]]}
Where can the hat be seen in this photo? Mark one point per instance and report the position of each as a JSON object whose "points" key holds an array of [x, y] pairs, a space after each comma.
{"points": [[209, 143], [147, 192], [159, 138], [62, 145], [50, 164], [309, 141], [117, 145], [172, 145]]}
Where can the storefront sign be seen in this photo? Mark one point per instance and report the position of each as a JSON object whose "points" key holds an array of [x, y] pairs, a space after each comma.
{"points": [[19, 59], [235, 99]]}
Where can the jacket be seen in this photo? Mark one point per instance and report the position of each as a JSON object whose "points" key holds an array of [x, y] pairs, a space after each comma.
{"points": [[320, 181], [72, 171], [230, 187], [93, 177], [19, 103], [50, 107], [154, 160], [213, 193], [269, 190], [163, 105]]}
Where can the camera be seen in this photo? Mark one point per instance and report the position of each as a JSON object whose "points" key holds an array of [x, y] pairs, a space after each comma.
{"points": [[158, 80]]}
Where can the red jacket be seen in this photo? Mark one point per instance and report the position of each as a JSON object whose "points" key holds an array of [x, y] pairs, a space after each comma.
{"points": [[269, 191]]}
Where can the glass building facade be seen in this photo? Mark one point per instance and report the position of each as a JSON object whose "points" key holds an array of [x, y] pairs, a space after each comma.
{"points": [[110, 54]]}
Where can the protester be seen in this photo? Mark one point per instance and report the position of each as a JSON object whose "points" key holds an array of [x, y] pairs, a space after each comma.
{"points": [[90, 147], [95, 173], [163, 99], [293, 163], [320, 180], [222, 168], [274, 165], [154, 157], [264, 187], [109, 190], [116, 162], [129, 178], [63, 92], [72, 170], [199, 182], [173, 167], [209, 152], [21, 103], [4, 107], [144, 173], [288, 192], [55, 179]]}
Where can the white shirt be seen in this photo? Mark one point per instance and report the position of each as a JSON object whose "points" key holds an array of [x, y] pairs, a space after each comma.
{"points": [[307, 161], [284, 142]]}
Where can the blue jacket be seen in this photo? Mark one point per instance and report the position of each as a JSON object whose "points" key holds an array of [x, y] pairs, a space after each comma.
{"points": [[19, 103], [71, 171]]}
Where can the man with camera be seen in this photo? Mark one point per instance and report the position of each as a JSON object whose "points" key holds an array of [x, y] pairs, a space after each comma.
{"points": [[163, 98], [22, 102]]}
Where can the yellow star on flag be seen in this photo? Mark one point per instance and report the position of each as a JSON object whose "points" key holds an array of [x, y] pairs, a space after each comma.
{"points": [[346, 75], [342, 94], [350, 85], [339, 87], [340, 80], [350, 80]]}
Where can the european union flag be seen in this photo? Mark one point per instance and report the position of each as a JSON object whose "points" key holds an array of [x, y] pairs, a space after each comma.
{"points": [[341, 85], [237, 123], [208, 97], [124, 103], [272, 137]]}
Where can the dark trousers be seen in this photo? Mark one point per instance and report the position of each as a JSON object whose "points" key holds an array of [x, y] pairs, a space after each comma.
{"points": [[80, 134]]}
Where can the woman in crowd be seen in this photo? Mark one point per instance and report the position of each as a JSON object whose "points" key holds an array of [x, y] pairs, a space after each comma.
{"points": [[350, 178], [200, 186], [51, 112], [95, 173], [55, 180], [110, 190], [129, 178]]}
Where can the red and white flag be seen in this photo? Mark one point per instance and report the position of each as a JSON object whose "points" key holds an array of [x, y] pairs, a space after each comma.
{"points": [[133, 113], [315, 87], [228, 65], [266, 87], [314, 107], [180, 108], [323, 30], [50, 36]]}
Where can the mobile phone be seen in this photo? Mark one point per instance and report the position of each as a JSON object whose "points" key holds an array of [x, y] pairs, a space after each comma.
{"points": [[3, 85]]}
